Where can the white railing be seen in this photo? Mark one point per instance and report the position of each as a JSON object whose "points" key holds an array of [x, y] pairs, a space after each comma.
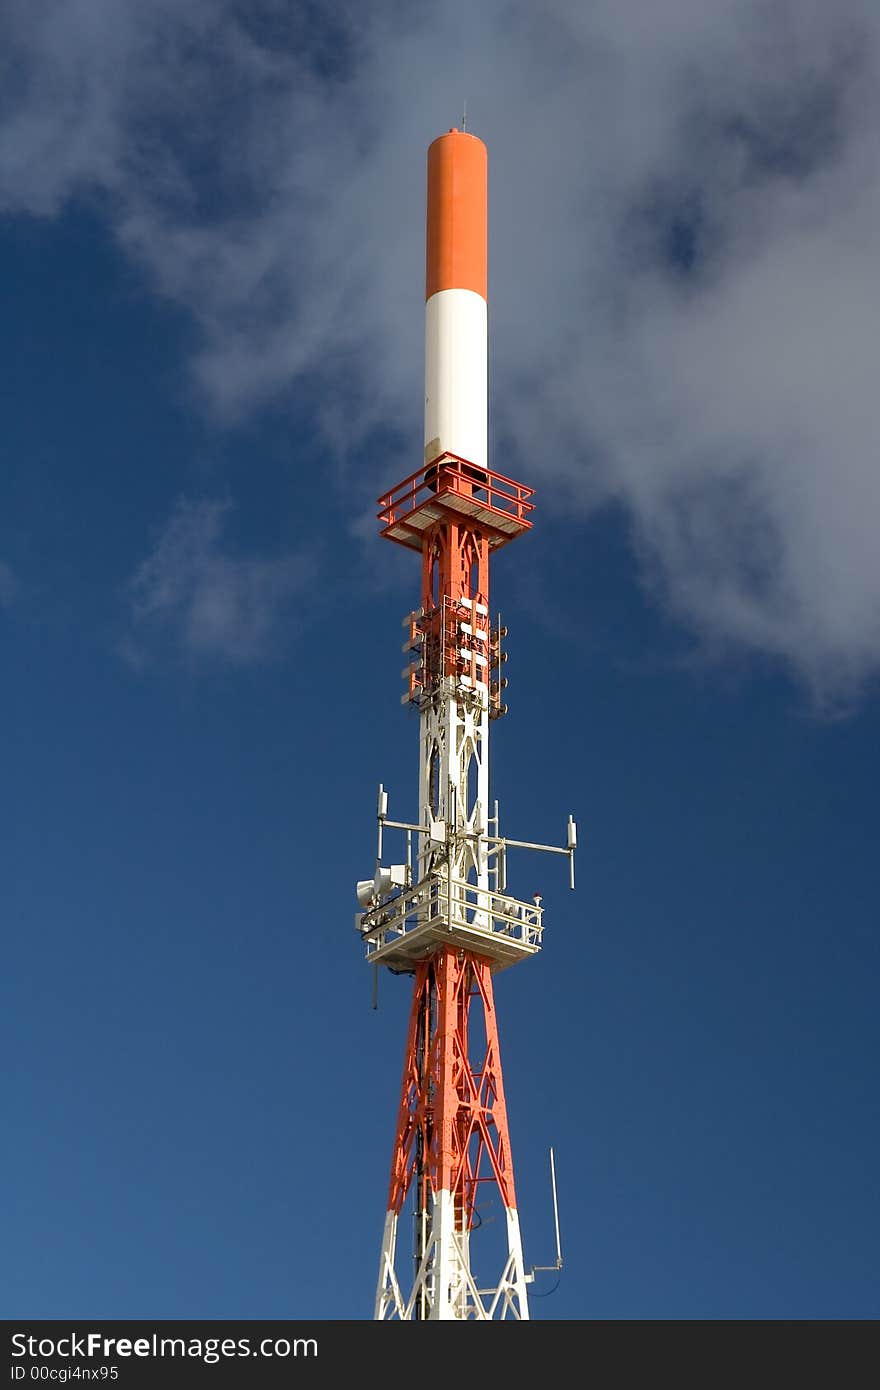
{"points": [[443, 902]]}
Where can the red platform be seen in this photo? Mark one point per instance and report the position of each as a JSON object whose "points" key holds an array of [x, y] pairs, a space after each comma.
{"points": [[450, 488]]}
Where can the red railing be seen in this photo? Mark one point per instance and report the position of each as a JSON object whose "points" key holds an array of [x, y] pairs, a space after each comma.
{"points": [[451, 474]]}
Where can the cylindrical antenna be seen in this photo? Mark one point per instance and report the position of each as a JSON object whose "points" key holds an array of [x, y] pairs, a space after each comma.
{"points": [[381, 813], [555, 1210]]}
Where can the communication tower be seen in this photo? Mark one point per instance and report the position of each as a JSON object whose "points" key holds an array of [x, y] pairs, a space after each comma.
{"points": [[444, 915]]}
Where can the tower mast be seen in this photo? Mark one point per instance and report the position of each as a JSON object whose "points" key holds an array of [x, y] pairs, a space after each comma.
{"points": [[445, 916]]}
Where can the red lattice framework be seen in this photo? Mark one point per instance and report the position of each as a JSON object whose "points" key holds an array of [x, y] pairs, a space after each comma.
{"points": [[452, 1130], [455, 515]]}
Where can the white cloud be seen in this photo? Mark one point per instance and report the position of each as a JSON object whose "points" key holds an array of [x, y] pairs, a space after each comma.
{"points": [[194, 593], [684, 227]]}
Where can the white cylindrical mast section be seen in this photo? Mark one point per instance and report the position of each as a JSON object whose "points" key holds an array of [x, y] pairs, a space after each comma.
{"points": [[456, 310]]}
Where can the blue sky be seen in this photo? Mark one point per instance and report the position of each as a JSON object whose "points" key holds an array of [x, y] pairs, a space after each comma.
{"points": [[211, 231]]}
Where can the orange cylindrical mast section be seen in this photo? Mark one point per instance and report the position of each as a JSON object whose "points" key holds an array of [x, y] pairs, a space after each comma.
{"points": [[457, 239]]}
